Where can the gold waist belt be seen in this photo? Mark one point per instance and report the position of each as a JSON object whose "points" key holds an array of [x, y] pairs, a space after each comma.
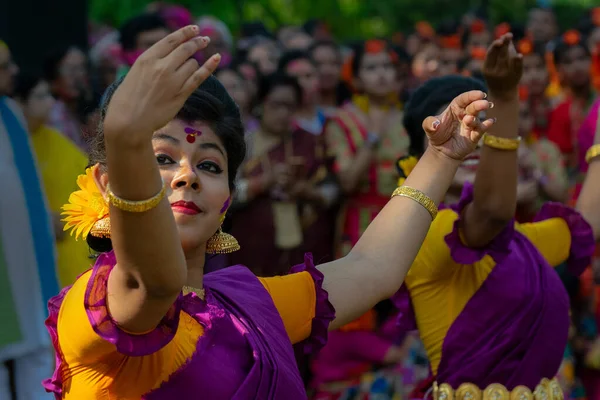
{"points": [[546, 390]]}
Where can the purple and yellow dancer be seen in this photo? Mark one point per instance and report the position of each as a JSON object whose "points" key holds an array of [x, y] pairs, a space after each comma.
{"points": [[490, 309], [145, 321]]}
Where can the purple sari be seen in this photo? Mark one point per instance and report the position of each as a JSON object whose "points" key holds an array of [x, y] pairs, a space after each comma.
{"points": [[514, 329], [244, 352]]}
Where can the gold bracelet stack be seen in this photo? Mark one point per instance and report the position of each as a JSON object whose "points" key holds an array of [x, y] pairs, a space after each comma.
{"points": [[135, 206], [592, 153], [419, 197], [500, 143]]}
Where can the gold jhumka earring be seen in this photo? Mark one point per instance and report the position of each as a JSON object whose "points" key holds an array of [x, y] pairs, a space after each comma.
{"points": [[101, 228], [222, 243]]}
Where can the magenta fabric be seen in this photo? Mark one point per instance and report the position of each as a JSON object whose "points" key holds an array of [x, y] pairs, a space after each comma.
{"points": [[348, 355], [585, 140], [514, 330], [324, 311], [244, 352], [176, 16]]}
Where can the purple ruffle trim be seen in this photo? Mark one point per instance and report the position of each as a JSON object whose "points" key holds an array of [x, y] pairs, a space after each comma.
{"points": [[98, 314], [498, 248], [324, 311], [405, 320], [54, 384], [582, 235]]}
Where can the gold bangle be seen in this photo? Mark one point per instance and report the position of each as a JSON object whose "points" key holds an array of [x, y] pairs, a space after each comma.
{"points": [[500, 143], [135, 206], [419, 197], [592, 153]]}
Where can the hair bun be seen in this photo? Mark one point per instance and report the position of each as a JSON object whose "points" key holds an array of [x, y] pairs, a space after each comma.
{"points": [[98, 244]]}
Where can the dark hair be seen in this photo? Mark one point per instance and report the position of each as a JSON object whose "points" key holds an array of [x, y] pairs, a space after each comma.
{"points": [[322, 43], [359, 52], [231, 68], [561, 48], [140, 23], [51, 66], [448, 27], [586, 23], [209, 103], [403, 56], [518, 30], [428, 99], [25, 83], [270, 82], [255, 28], [312, 25], [539, 49], [293, 55]]}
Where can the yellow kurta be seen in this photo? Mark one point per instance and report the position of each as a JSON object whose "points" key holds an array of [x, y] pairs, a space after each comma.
{"points": [[60, 162]]}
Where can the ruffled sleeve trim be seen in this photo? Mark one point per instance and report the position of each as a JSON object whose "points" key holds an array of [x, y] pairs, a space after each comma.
{"points": [[498, 248], [102, 323], [324, 310], [582, 235], [405, 321], [54, 384]]}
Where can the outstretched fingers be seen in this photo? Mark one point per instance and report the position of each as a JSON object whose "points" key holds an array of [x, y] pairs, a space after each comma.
{"points": [[186, 50], [476, 128], [465, 99], [200, 75], [165, 46], [478, 106]]}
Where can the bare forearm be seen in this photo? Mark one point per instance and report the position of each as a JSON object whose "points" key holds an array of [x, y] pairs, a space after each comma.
{"points": [[377, 265], [351, 177], [588, 203], [146, 244], [555, 191], [495, 188]]}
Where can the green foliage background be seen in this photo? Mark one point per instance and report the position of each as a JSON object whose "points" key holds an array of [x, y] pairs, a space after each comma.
{"points": [[348, 19]]}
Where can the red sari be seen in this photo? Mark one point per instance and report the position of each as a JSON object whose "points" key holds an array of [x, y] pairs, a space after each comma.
{"points": [[274, 233]]}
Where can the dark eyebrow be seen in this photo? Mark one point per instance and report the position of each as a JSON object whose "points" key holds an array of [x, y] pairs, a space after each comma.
{"points": [[164, 136], [211, 145], [204, 145]]}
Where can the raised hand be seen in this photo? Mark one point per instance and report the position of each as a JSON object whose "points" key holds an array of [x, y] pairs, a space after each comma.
{"points": [[456, 132], [158, 85], [503, 68]]}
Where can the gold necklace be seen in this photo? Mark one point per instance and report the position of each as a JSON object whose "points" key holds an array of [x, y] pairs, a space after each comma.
{"points": [[199, 292]]}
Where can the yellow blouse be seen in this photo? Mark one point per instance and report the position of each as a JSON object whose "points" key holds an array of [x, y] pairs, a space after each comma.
{"points": [[91, 364], [440, 288]]}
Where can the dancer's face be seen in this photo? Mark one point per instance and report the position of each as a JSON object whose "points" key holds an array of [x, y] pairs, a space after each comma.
{"points": [[236, 87], [377, 74], [306, 73], [329, 66], [195, 174], [38, 105], [278, 110], [575, 67], [535, 75]]}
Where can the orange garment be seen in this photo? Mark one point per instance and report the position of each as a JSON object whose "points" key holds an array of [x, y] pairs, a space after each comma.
{"points": [[294, 297]]}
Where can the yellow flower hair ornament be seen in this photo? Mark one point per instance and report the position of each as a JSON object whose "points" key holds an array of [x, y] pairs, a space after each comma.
{"points": [[87, 209], [405, 165]]}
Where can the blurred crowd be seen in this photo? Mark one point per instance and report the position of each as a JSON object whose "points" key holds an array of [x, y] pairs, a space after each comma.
{"points": [[325, 125]]}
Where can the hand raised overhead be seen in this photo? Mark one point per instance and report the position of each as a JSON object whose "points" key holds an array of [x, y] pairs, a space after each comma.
{"points": [[503, 68], [158, 85], [456, 131]]}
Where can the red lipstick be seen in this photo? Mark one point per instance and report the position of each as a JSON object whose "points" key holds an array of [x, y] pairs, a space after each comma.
{"points": [[186, 207]]}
